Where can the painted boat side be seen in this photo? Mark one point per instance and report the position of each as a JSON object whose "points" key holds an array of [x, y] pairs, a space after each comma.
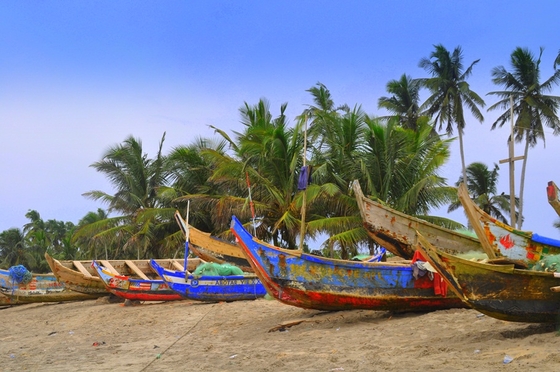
{"points": [[504, 239], [500, 291], [75, 280], [212, 288], [41, 288], [135, 289], [320, 283]]}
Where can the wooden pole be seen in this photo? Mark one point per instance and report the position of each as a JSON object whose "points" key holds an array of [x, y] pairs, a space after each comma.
{"points": [[511, 168], [511, 161], [303, 207]]}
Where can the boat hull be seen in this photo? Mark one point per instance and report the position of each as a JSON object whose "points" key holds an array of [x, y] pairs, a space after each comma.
{"points": [[524, 246], [500, 291], [396, 231], [136, 289], [212, 288], [41, 288], [86, 282], [314, 282]]}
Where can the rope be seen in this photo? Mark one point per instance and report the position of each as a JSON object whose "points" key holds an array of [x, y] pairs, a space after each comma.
{"points": [[177, 340]]}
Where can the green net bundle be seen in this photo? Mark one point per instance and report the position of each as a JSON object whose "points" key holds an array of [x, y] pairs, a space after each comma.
{"points": [[549, 264], [215, 269]]}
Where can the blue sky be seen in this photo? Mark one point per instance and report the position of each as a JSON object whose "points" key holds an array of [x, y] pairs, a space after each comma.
{"points": [[80, 76]]}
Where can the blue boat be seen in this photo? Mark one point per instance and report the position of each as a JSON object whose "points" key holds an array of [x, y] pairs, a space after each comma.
{"points": [[211, 287], [314, 282]]}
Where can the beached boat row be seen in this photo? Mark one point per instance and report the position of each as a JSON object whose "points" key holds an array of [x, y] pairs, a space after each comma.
{"points": [[512, 282], [516, 281]]}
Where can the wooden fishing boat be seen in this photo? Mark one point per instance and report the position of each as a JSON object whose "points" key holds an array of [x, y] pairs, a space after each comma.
{"points": [[514, 244], [147, 288], [396, 231], [41, 288], [81, 277], [211, 287], [212, 249], [500, 291], [553, 195], [314, 282]]}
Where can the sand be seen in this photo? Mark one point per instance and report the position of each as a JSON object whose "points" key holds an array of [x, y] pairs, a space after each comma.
{"points": [[264, 335]]}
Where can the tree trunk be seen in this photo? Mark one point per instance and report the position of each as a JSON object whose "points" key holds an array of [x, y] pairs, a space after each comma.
{"points": [[462, 156], [521, 186]]}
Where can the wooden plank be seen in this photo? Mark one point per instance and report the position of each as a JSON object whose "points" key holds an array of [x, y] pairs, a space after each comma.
{"points": [[109, 267], [515, 158], [136, 270], [78, 265], [474, 221], [177, 265]]}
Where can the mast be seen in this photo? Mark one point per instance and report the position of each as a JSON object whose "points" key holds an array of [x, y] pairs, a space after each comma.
{"points": [[303, 206]]}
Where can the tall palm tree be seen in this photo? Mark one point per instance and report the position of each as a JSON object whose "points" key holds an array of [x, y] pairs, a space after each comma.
{"points": [[533, 107], [482, 185], [450, 92], [404, 103]]}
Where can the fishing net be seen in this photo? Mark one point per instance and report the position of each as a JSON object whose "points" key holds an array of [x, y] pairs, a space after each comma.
{"points": [[549, 264], [19, 274], [215, 269]]}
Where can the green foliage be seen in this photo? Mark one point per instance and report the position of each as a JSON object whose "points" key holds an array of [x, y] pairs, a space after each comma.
{"points": [[482, 185], [525, 95], [397, 161]]}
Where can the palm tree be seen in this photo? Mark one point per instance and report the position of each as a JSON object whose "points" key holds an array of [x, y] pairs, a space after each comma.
{"points": [[396, 164], [136, 178], [52, 236], [322, 116], [482, 185], [336, 154], [270, 153], [14, 251], [90, 220], [534, 109], [190, 168], [404, 102], [450, 92], [401, 169]]}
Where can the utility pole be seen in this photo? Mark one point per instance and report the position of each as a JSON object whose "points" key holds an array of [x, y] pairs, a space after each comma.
{"points": [[511, 161]]}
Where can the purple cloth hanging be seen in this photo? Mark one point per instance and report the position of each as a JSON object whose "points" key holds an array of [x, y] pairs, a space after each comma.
{"points": [[303, 178]]}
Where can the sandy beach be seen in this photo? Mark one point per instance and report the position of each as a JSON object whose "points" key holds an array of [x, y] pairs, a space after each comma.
{"points": [[264, 335]]}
